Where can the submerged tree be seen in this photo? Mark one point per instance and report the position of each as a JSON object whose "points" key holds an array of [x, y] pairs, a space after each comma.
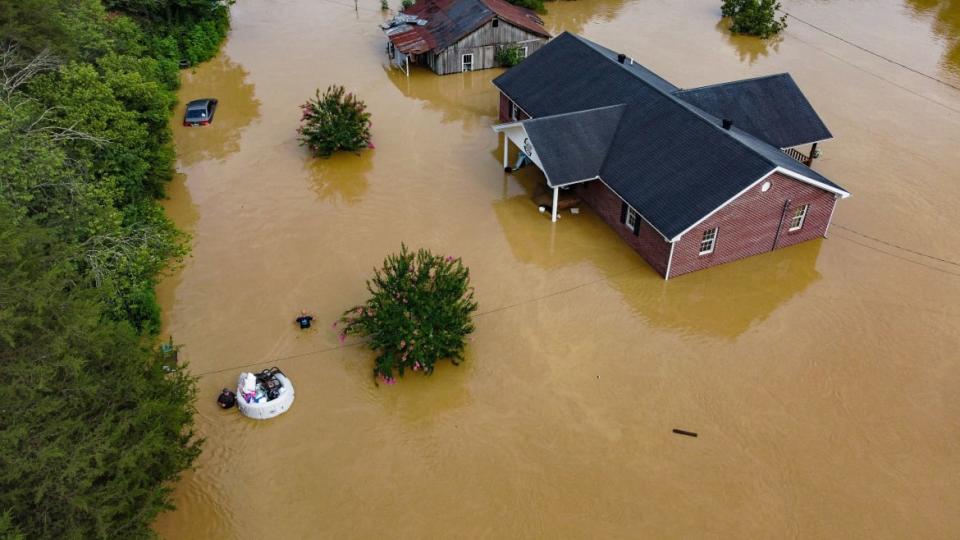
{"points": [[418, 313], [334, 121], [754, 17]]}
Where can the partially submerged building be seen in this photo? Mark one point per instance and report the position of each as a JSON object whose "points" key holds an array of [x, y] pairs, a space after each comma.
{"points": [[689, 178], [452, 36]]}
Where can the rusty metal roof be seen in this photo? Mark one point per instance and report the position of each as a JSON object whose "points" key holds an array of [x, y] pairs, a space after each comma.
{"points": [[448, 21]]}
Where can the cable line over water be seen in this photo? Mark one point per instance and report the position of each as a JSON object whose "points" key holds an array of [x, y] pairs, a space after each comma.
{"points": [[868, 51]]}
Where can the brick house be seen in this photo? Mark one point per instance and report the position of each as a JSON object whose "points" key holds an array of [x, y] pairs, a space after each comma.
{"points": [[689, 178], [453, 36]]}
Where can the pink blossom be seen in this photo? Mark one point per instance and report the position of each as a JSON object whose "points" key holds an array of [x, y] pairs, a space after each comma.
{"points": [[449, 258], [342, 337], [371, 146]]}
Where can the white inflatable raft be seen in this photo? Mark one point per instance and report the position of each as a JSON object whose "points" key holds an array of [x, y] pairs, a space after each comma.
{"points": [[262, 403]]}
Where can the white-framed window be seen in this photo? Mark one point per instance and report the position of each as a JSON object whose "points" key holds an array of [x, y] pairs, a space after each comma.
{"points": [[467, 62], [513, 111], [633, 220], [798, 217], [523, 52], [708, 242]]}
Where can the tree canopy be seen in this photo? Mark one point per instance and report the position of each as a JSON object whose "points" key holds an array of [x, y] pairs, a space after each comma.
{"points": [[94, 431]]}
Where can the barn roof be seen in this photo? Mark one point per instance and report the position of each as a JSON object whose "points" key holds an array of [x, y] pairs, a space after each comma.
{"points": [[671, 161], [448, 21], [773, 108]]}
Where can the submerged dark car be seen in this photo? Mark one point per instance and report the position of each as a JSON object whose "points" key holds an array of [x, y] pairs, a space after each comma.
{"points": [[200, 112]]}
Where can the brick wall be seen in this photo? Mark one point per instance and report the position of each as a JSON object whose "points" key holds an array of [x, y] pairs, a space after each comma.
{"points": [[748, 225], [505, 110], [649, 244]]}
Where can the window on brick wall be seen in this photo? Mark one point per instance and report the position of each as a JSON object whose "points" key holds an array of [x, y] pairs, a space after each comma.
{"points": [[633, 219], [798, 217], [709, 241]]}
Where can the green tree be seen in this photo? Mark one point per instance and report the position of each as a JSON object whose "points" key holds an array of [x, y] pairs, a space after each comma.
{"points": [[94, 430], [418, 313], [534, 5], [334, 121], [754, 17]]}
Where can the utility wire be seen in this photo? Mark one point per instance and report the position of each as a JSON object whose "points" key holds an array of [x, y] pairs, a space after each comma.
{"points": [[868, 51]]}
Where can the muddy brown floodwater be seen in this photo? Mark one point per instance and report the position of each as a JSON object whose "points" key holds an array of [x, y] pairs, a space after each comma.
{"points": [[822, 379]]}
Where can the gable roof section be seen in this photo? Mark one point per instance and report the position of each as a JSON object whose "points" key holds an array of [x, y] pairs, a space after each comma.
{"points": [[572, 146], [448, 21], [669, 160], [772, 108]]}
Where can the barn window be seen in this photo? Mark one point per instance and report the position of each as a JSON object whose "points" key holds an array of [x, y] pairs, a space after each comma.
{"points": [[467, 61], [523, 52], [708, 242], [513, 111], [496, 23], [798, 217], [632, 219]]}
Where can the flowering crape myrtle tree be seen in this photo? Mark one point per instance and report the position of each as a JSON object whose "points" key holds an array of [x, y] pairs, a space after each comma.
{"points": [[418, 313], [334, 121]]}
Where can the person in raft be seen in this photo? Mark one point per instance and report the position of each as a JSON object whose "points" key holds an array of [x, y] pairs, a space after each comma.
{"points": [[304, 320]]}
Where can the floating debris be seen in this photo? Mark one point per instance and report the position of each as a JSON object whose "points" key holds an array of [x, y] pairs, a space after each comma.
{"points": [[687, 433]]}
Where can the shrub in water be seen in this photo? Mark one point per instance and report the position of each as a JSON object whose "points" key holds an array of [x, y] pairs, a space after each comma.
{"points": [[509, 56], [418, 313], [407, 4], [334, 121], [754, 17], [384, 6]]}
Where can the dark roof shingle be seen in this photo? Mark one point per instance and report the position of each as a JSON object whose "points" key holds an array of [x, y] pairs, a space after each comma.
{"points": [[572, 146], [772, 108]]}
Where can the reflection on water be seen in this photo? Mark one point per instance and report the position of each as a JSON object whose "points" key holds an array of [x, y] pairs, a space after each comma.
{"points": [[748, 48], [745, 293], [946, 24], [341, 177], [225, 80], [573, 16], [462, 97]]}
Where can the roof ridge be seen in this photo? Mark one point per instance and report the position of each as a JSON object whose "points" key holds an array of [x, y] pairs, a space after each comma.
{"points": [[696, 111], [738, 81]]}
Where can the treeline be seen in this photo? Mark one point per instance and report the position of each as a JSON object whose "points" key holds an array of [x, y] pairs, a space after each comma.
{"points": [[92, 429]]}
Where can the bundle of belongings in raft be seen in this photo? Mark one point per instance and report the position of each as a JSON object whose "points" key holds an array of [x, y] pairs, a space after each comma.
{"points": [[260, 387]]}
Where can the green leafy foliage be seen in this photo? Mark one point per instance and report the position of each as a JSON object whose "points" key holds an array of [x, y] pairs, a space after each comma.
{"points": [[407, 4], [334, 121], [534, 5], [509, 56], [94, 431], [418, 313], [754, 17]]}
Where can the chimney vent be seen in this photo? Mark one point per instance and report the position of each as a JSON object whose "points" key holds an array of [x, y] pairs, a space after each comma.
{"points": [[621, 57], [727, 124]]}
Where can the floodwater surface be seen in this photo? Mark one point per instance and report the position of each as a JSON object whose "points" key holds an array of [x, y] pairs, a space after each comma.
{"points": [[822, 378]]}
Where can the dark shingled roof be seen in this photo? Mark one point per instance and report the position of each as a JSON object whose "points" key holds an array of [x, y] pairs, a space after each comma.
{"points": [[572, 146], [772, 108], [669, 160], [448, 21]]}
